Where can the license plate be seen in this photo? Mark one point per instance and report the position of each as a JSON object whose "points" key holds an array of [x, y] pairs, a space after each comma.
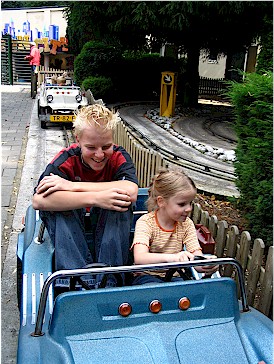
{"points": [[61, 118]]}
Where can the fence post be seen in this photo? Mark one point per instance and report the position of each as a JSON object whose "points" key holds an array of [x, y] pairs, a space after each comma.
{"points": [[10, 60], [205, 218], [267, 285], [243, 252], [232, 237], [221, 237], [196, 214], [254, 270], [213, 225]]}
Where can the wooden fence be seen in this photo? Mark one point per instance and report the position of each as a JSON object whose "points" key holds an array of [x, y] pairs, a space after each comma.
{"points": [[229, 243]]}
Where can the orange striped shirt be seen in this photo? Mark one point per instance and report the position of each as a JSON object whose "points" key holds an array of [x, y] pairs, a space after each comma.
{"points": [[159, 240], [149, 232]]}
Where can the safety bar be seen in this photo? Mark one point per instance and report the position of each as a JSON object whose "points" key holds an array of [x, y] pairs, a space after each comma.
{"points": [[133, 268]]}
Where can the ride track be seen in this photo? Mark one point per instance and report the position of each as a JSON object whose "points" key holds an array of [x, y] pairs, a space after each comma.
{"points": [[199, 166]]}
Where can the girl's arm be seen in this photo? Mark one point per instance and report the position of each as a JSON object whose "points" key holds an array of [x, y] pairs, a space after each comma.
{"points": [[143, 256]]}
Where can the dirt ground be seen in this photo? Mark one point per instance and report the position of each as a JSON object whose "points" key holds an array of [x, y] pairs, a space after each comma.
{"points": [[223, 210]]}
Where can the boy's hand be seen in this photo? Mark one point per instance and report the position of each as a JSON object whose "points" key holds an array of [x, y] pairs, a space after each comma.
{"points": [[113, 199], [53, 183]]}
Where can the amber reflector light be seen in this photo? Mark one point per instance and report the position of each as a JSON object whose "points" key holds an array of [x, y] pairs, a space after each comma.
{"points": [[155, 306], [125, 309], [184, 303]]}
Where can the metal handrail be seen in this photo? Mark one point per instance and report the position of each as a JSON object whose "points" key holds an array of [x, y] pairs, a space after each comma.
{"points": [[134, 268]]}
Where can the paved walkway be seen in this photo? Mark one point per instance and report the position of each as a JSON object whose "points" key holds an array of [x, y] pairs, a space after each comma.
{"points": [[16, 108]]}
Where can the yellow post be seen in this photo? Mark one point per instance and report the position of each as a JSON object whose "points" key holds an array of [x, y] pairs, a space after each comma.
{"points": [[168, 94]]}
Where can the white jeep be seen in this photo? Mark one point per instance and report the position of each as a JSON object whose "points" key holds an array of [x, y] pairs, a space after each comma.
{"points": [[58, 103]]}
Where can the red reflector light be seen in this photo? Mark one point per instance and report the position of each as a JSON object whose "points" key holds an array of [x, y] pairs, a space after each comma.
{"points": [[155, 306], [184, 303], [63, 92], [125, 309]]}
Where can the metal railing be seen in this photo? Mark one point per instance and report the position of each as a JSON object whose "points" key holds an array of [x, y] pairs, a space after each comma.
{"points": [[135, 268]]}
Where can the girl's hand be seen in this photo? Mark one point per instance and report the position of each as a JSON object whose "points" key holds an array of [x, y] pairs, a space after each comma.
{"points": [[207, 269], [183, 256], [52, 183]]}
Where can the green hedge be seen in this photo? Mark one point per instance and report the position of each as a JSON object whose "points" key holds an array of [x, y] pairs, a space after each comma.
{"points": [[132, 76], [253, 102], [96, 59], [101, 87]]}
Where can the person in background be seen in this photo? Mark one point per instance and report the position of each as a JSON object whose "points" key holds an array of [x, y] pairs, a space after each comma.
{"points": [[34, 57], [96, 175], [61, 80], [54, 80], [167, 234]]}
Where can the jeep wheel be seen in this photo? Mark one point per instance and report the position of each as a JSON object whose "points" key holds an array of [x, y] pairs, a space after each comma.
{"points": [[42, 113], [43, 124]]}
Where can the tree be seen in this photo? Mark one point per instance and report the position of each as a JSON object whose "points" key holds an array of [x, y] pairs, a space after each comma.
{"points": [[31, 4], [265, 59], [253, 105], [220, 26]]}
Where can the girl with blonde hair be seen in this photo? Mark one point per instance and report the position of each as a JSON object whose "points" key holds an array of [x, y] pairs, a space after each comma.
{"points": [[167, 234]]}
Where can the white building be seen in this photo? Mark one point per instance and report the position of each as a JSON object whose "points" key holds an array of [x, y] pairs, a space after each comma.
{"points": [[34, 22]]}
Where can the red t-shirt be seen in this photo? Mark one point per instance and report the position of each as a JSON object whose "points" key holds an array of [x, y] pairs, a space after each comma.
{"points": [[68, 164]]}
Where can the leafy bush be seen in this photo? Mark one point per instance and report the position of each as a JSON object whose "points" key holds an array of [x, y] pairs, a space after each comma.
{"points": [[96, 59], [133, 75], [253, 101], [101, 87]]}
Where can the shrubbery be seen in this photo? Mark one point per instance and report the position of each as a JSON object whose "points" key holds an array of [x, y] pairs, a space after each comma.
{"points": [[96, 59], [132, 76], [253, 102], [101, 87]]}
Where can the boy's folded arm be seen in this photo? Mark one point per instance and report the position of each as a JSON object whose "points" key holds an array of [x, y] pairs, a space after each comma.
{"points": [[61, 201], [130, 187]]}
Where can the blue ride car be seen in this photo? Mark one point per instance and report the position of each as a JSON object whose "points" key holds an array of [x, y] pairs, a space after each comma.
{"points": [[198, 321]]}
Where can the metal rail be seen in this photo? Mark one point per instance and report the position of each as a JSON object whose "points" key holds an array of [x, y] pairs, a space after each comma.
{"points": [[135, 268], [175, 159], [69, 136]]}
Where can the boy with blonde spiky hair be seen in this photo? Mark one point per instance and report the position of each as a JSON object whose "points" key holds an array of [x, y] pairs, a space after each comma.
{"points": [[91, 174]]}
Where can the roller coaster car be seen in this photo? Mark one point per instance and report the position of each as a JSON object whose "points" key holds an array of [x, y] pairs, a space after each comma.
{"points": [[57, 103], [193, 321]]}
